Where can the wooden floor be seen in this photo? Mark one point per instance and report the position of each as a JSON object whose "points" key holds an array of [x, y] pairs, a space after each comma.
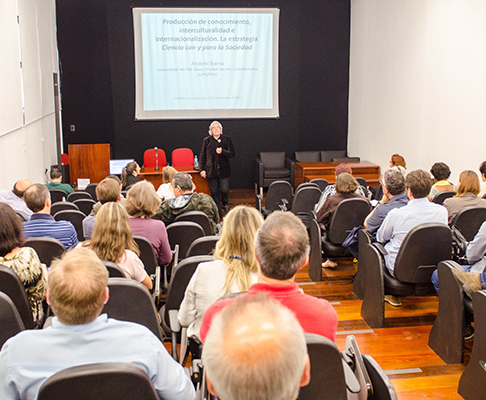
{"points": [[401, 347]]}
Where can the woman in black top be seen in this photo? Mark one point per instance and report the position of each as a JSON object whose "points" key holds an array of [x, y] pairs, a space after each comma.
{"points": [[129, 175]]}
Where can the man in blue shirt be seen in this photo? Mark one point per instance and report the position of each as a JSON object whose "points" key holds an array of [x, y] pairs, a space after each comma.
{"points": [[400, 221], [80, 335], [38, 199]]}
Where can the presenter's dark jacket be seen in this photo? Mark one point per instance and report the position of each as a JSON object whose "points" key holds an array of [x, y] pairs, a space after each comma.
{"points": [[209, 159]]}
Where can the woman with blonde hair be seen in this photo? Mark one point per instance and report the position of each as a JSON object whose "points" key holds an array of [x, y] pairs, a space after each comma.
{"points": [[129, 175], [233, 269], [165, 190], [467, 194], [112, 241], [142, 203]]}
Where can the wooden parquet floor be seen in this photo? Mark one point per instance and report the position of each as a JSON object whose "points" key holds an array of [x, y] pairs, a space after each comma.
{"points": [[401, 347]]}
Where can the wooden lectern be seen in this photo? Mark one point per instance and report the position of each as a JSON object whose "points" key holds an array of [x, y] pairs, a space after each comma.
{"points": [[89, 161]]}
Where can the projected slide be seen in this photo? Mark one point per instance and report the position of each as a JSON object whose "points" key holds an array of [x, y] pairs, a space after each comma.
{"points": [[206, 63]]}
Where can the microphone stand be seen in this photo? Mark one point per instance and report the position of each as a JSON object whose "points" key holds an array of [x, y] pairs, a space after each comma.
{"points": [[156, 159]]}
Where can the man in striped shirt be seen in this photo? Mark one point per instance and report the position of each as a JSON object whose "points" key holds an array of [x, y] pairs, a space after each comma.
{"points": [[41, 223]]}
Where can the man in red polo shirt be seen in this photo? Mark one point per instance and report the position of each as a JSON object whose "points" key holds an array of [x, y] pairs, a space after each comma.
{"points": [[282, 248]]}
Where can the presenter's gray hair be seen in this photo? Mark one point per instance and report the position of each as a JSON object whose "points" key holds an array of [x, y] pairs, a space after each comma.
{"points": [[215, 123], [262, 368]]}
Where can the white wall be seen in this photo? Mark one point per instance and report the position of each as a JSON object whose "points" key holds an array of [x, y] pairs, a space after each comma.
{"points": [[418, 82], [27, 141]]}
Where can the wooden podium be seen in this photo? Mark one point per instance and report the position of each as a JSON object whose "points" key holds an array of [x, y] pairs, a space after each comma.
{"points": [[89, 161]]}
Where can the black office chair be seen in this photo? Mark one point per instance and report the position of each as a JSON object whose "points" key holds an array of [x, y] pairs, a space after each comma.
{"points": [[107, 381], [10, 321], [47, 248], [439, 198], [91, 189], [279, 197], [361, 181], [315, 256], [359, 278], [305, 199], [85, 205], [307, 184], [151, 265], [57, 195], [203, 246], [472, 385], [199, 218], [348, 214], [271, 167], [61, 206], [11, 285], [424, 247], [75, 217], [114, 271], [183, 234], [131, 301], [321, 182], [469, 220], [78, 195]]}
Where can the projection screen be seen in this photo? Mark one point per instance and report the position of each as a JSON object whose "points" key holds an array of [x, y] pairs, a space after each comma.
{"points": [[193, 63]]}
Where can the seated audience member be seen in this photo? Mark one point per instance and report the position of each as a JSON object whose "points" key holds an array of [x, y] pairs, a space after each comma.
{"points": [[129, 175], [482, 188], [42, 223], [143, 203], [185, 200], [331, 189], [397, 163], [22, 260], [80, 335], [256, 350], [112, 241], [346, 187], [467, 194], [441, 173], [233, 269], [56, 179], [165, 190], [400, 221], [98, 204], [106, 191], [15, 198], [394, 196], [281, 249]]}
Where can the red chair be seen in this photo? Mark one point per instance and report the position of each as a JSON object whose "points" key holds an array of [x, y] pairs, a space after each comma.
{"points": [[149, 158], [182, 157]]}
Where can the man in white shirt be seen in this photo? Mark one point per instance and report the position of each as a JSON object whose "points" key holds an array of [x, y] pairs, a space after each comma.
{"points": [[80, 335], [15, 198], [400, 221]]}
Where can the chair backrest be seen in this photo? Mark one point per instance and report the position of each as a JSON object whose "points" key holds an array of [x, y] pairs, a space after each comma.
{"points": [[382, 386], [75, 217], [182, 157], [315, 256], [147, 254], [307, 156], [85, 205], [12, 286], [203, 246], [10, 321], [278, 193], [63, 205], [114, 271], [47, 248], [107, 381], [307, 184], [327, 374], [379, 192], [424, 247], [348, 214], [57, 195], [439, 198], [149, 159], [131, 301], [274, 159], [91, 189], [328, 155], [181, 275], [78, 195], [183, 234], [321, 182], [305, 199], [361, 181], [198, 217], [469, 220]]}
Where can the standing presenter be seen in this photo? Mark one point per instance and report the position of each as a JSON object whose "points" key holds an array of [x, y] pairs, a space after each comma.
{"points": [[214, 164]]}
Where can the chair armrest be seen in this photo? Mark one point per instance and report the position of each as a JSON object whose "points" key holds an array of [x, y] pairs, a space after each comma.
{"points": [[352, 384], [380, 248], [175, 325], [156, 278]]}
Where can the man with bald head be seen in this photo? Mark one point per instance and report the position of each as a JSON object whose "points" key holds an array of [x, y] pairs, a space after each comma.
{"points": [[256, 350], [15, 198], [282, 249]]}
